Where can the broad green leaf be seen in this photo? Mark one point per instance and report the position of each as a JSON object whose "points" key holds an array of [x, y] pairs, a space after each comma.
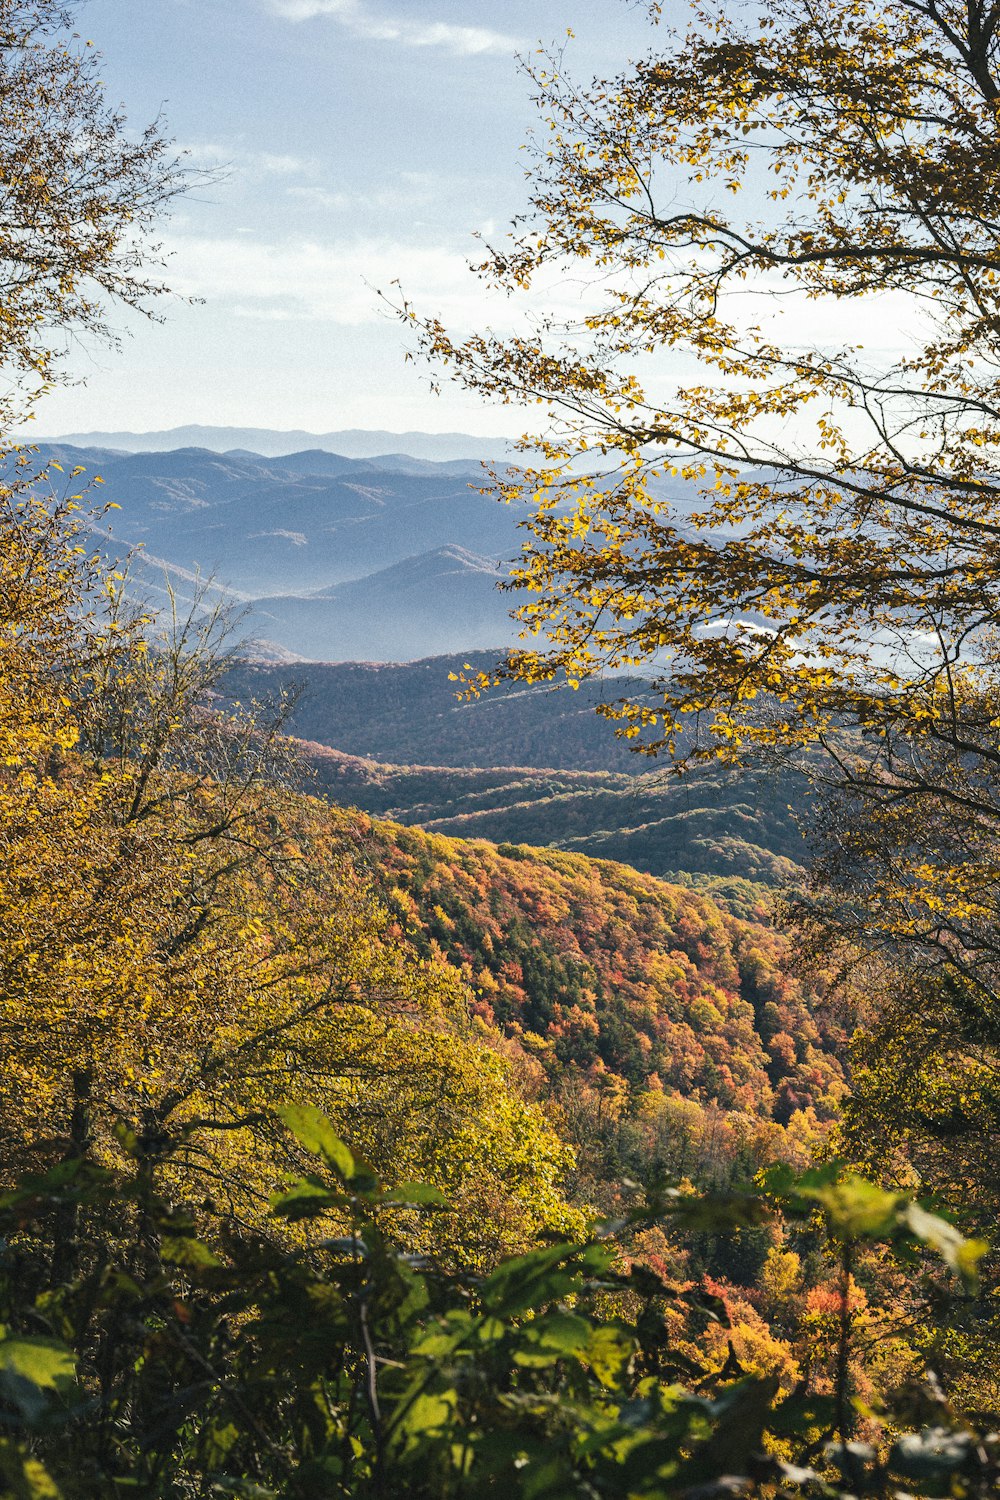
{"points": [[305, 1199], [218, 1441], [44, 1362], [490, 1330], [717, 1211], [857, 1209], [527, 1281], [609, 1352], [565, 1331], [419, 1194], [803, 1414], [437, 1344], [244, 1488], [961, 1255], [551, 1338], [313, 1130], [126, 1138], [184, 1250], [428, 1415], [854, 1207]]}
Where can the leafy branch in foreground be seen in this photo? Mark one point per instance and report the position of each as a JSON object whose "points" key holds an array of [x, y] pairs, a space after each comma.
{"points": [[344, 1365], [80, 193]]}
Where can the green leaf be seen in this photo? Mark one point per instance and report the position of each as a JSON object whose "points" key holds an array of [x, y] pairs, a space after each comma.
{"points": [[958, 1253], [490, 1330], [245, 1488], [126, 1138], [717, 1211], [609, 1352], [415, 1194], [184, 1250], [430, 1415], [547, 1275], [565, 1332], [803, 1413], [305, 1199], [551, 1338], [45, 1362], [218, 1441], [854, 1207], [437, 1344], [313, 1130], [857, 1209]]}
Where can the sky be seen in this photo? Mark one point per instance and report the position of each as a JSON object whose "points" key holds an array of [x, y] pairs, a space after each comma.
{"points": [[353, 144]]}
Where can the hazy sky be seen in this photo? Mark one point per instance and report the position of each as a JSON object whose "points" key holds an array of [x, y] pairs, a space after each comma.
{"points": [[362, 141]]}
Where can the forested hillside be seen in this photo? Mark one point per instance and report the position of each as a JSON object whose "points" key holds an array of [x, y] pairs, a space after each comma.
{"points": [[605, 968], [412, 713], [628, 989], [727, 825]]}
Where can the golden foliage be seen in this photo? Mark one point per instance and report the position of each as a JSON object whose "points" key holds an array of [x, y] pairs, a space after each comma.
{"points": [[185, 946]]}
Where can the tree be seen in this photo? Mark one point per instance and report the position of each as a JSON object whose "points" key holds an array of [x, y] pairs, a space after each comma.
{"points": [[833, 549], [185, 942], [79, 195], [346, 1369]]}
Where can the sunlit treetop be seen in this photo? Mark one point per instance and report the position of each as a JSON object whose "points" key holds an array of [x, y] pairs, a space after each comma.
{"points": [[80, 192], [787, 356]]}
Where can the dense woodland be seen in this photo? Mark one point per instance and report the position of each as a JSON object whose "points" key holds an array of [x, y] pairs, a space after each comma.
{"points": [[345, 1158], [210, 979], [410, 714]]}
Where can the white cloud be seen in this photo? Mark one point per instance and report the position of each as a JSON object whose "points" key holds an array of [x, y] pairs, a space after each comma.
{"points": [[304, 279], [281, 164], [337, 281], [467, 41], [409, 190], [216, 155]]}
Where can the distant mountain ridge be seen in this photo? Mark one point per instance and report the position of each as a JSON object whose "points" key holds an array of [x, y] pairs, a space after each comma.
{"points": [[331, 558], [410, 714], [728, 828], [352, 442], [526, 764], [426, 601], [277, 532]]}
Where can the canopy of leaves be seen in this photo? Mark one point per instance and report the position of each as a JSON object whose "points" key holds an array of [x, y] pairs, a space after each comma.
{"points": [[79, 194]]}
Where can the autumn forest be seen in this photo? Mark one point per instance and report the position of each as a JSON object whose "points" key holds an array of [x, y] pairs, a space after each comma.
{"points": [[584, 1101]]}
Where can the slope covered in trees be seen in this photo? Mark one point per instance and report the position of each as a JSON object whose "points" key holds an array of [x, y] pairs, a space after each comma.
{"points": [[602, 972], [726, 825], [410, 714]]}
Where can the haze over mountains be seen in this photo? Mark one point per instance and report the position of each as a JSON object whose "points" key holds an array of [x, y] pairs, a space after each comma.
{"points": [[352, 442], [368, 582], [330, 558]]}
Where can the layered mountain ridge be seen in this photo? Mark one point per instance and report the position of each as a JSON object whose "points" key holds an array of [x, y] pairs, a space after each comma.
{"points": [[352, 442], [324, 556]]}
